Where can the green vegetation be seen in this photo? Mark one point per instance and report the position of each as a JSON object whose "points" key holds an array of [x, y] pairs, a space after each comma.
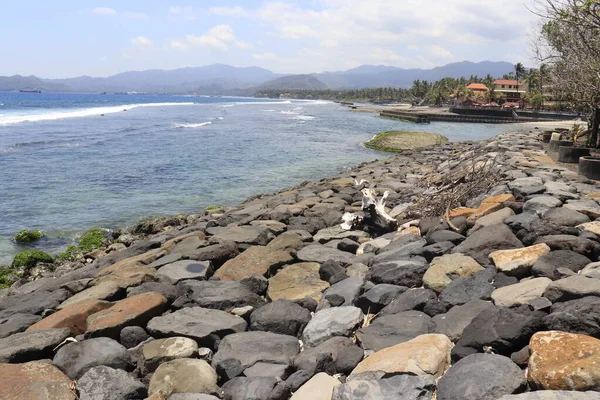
{"points": [[8, 277], [93, 239], [376, 95], [214, 208], [29, 258], [398, 141], [26, 236]]}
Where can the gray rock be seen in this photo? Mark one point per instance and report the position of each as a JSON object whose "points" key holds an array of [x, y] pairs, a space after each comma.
{"points": [[256, 283], [168, 259], [239, 351], [192, 396], [29, 346], [591, 270], [548, 264], [16, 323], [32, 303], [414, 299], [266, 369], [476, 287], [169, 291], [281, 316], [358, 270], [399, 387], [394, 329], [553, 395], [206, 326], [105, 383], [131, 336], [221, 295], [185, 269], [184, 375], [400, 249], [520, 293], [488, 239], [336, 321], [218, 254], [521, 183], [444, 236], [565, 217], [573, 287], [577, 244], [481, 377], [401, 272], [349, 289], [522, 221], [244, 388], [255, 235], [319, 253], [576, 316], [454, 322], [336, 355], [378, 297], [541, 204], [75, 359]]}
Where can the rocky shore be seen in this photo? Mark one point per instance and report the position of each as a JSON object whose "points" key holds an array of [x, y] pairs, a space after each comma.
{"points": [[496, 299]]}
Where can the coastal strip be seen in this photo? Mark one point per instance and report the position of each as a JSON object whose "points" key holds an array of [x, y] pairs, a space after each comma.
{"points": [[398, 141], [273, 299]]}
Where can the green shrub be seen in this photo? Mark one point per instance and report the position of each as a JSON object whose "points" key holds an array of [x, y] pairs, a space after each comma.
{"points": [[25, 236], [28, 259], [93, 239], [68, 254], [8, 277]]}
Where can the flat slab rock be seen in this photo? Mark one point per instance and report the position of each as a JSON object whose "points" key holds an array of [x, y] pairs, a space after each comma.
{"points": [[221, 295], [256, 235], [393, 329], [28, 346], [319, 253], [185, 269], [487, 240], [204, 325], [258, 260], [105, 383], [335, 321], [396, 387], [297, 281], [35, 380]]}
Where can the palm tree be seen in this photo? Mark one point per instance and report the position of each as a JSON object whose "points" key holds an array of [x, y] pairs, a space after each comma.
{"points": [[519, 72], [543, 75], [532, 79]]}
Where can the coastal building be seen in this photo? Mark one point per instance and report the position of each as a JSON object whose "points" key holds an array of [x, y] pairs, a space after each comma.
{"points": [[511, 89], [479, 89]]}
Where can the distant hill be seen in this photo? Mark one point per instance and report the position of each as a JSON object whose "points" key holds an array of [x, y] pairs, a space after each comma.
{"points": [[219, 79]]}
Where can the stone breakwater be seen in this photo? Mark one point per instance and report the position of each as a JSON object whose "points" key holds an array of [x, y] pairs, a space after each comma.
{"points": [[273, 300]]}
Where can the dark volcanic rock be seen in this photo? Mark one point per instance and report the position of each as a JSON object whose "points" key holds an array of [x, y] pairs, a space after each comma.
{"points": [[444, 236], [329, 269], [131, 336], [348, 289], [170, 292], [378, 297], [221, 295], [336, 355], [256, 283], [29, 346], [16, 323], [475, 287], [243, 388], [401, 272], [393, 329], [565, 217], [503, 329], [414, 299], [281, 316], [487, 240], [577, 244], [454, 322], [481, 377], [402, 387], [521, 221], [217, 253], [576, 316], [33, 303], [105, 383], [547, 265], [75, 359]]}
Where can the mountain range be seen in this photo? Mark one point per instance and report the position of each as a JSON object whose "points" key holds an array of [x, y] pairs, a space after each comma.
{"points": [[219, 79]]}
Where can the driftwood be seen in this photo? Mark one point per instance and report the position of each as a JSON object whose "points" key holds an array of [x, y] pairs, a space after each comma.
{"points": [[373, 218]]}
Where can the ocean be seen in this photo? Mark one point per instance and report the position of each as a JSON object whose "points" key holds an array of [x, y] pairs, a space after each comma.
{"points": [[70, 162]]}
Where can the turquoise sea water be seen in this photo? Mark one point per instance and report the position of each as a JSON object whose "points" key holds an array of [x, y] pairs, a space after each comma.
{"points": [[69, 162]]}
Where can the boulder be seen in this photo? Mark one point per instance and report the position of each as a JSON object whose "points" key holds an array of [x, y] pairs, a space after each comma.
{"points": [[349, 289], [159, 351], [319, 253], [541, 204], [206, 326], [36, 380], [521, 183], [576, 316], [169, 291], [256, 283], [319, 387], [258, 260], [254, 235], [32, 303], [565, 217], [548, 265], [573, 287], [218, 254], [222, 295], [16, 323], [587, 207], [577, 244], [481, 377], [462, 290], [522, 221], [445, 269], [414, 299], [185, 269], [184, 375], [337, 232], [591, 270], [425, 355], [249, 388], [378, 297], [28, 346], [335, 321], [103, 291], [518, 262], [131, 336], [454, 322], [239, 351], [105, 383], [444, 236], [495, 218], [564, 361], [553, 395], [297, 281], [487, 240], [73, 317], [389, 330], [336, 355], [593, 227], [132, 311], [286, 242], [401, 272], [281, 316], [520, 293], [395, 387], [75, 359]]}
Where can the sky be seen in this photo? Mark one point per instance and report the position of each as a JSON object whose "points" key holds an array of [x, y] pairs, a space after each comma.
{"points": [[67, 38]]}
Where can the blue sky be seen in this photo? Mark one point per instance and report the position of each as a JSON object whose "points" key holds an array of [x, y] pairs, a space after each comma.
{"points": [[66, 38]]}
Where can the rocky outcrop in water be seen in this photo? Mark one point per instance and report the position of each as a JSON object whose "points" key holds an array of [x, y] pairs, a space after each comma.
{"points": [[274, 300]]}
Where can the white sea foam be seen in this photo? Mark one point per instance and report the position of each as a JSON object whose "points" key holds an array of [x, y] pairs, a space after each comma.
{"points": [[193, 125], [54, 114], [288, 112], [219, 118], [304, 117]]}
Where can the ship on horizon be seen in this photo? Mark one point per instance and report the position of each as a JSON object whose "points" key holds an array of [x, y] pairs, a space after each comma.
{"points": [[30, 91]]}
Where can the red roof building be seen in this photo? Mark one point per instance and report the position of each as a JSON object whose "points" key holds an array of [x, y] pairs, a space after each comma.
{"points": [[477, 87]]}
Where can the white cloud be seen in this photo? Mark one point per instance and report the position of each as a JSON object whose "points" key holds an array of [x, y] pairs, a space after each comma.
{"points": [[141, 41], [266, 57], [104, 11], [220, 37], [236, 11], [135, 15], [184, 12], [439, 52]]}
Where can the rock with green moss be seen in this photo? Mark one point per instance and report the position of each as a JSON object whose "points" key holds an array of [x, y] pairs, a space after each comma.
{"points": [[29, 258], [93, 239], [27, 236], [8, 277]]}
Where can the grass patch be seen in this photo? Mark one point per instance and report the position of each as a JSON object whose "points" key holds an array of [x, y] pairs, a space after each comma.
{"points": [[27, 236], [399, 141], [95, 238], [29, 258]]}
